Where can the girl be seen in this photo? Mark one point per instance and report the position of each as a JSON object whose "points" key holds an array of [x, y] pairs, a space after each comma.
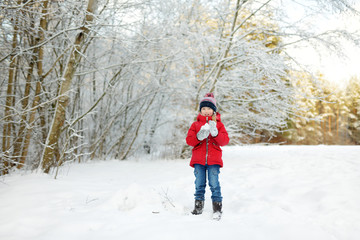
{"points": [[206, 135]]}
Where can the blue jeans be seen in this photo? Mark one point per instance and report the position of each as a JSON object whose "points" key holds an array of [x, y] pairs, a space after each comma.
{"points": [[200, 182]]}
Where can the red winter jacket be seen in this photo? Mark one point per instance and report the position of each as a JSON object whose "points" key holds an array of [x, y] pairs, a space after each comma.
{"points": [[207, 151]]}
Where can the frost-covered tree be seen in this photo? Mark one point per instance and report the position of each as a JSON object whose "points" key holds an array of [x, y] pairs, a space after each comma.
{"points": [[304, 126], [353, 99], [324, 115]]}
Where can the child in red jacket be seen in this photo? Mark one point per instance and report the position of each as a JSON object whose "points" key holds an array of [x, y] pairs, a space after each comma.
{"points": [[206, 135]]}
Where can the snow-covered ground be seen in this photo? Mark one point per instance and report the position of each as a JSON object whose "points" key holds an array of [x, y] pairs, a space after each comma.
{"points": [[270, 192]]}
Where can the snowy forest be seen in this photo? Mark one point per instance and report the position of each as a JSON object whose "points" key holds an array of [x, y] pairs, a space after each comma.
{"points": [[111, 79]]}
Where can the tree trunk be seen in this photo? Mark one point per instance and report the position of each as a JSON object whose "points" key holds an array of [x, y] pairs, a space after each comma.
{"points": [[39, 64], [6, 138], [218, 67], [63, 100], [25, 104]]}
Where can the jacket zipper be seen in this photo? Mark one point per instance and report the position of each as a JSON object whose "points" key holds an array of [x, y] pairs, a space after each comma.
{"points": [[207, 146]]}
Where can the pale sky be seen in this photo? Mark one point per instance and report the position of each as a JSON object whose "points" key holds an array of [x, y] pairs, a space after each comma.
{"points": [[334, 68]]}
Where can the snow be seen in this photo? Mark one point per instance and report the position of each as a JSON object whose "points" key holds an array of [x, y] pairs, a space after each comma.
{"points": [[270, 192]]}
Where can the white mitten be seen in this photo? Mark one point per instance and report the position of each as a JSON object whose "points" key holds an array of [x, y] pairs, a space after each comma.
{"points": [[204, 132], [213, 129]]}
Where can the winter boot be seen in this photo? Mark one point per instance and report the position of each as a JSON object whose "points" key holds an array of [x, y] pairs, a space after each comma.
{"points": [[217, 206], [199, 206]]}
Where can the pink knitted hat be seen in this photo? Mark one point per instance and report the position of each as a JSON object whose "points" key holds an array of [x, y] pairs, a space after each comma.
{"points": [[208, 101]]}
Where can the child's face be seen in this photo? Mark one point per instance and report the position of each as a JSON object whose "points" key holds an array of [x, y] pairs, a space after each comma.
{"points": [[206, 112]]}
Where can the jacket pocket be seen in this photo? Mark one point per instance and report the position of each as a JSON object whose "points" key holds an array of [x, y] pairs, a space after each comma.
{"points": [[197, 146], [217, 147]]}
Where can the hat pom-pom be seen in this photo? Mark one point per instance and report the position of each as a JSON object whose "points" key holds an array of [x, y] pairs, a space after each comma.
{"points": [[209, 95]]}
